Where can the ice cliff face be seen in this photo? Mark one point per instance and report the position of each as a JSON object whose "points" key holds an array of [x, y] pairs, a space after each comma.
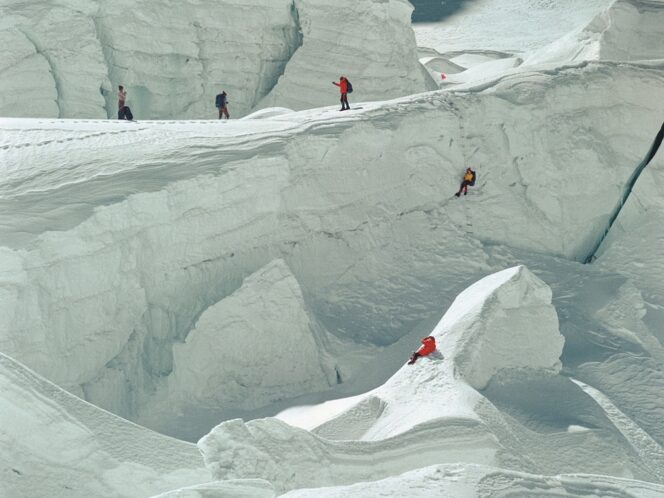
{"points": [[66, 59], [381, 63]]}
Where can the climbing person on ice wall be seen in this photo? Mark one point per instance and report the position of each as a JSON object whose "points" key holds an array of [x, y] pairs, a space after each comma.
{"points": [[468, 180], [428, 346], [344, 88]]}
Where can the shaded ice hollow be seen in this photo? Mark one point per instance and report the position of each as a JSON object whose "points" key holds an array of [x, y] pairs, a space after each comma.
{"points": [[127, 249]]}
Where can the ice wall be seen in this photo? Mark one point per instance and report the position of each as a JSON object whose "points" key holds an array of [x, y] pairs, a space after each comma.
{"points": [[338, 40], [67, 59], [158, 222]]}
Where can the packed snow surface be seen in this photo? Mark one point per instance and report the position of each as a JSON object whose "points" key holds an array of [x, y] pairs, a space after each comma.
{"points": [[183, 273]]}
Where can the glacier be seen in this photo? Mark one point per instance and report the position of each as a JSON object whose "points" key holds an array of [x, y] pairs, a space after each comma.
{"points": [[198, 277]]}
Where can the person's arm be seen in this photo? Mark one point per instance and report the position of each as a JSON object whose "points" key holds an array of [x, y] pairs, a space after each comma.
{"points": [[335, 83]]}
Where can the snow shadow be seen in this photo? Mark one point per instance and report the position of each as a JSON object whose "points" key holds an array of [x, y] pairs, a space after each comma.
{"points": [[436, 10]]}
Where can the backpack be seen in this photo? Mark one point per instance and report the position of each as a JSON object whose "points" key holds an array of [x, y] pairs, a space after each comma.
{"points": [[219, 101], [472, 182], [349, 87]]}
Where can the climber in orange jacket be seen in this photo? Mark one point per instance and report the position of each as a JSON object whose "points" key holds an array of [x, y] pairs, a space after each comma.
{"points": [[428, 346], [344, 90]]}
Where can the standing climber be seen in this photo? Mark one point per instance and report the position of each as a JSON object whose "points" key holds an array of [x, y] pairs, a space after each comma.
{"points": [[428, 346], [222, 104], [122, 97], [344, 88], [123, 110], [468, 180]]}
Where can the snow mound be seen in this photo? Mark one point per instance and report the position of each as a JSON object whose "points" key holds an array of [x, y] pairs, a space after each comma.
{"points": [[53, 444], [256, 346], [504, 321], [490, 328]]}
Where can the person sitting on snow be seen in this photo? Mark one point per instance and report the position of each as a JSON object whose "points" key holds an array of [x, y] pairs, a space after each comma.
{"points": [[468, 179], [428, 346]]}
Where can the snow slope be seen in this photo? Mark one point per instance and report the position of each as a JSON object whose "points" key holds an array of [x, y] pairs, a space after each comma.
{"points": [[66, 58], [54, 444]]}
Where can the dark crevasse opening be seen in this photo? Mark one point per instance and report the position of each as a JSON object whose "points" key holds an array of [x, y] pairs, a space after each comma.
{"points": [[436, 10], [629, 185]]}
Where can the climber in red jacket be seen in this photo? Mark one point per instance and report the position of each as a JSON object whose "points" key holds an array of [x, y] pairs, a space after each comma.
{"points": [[344, 89], [428, 346]]}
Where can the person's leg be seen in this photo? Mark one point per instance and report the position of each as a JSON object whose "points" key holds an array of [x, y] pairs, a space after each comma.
{"points": [[413, 358], [460, 189], [465, 187], [341, 99], [226, 112], [220, 112], [345, 97]]}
